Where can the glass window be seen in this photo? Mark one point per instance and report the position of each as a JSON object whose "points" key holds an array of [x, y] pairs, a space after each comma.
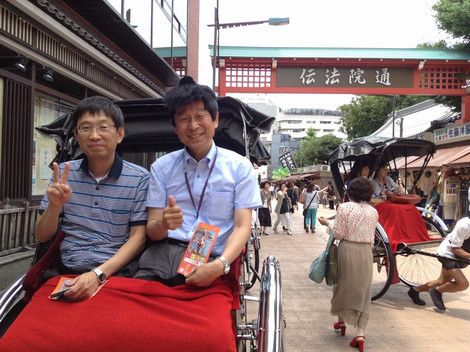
{"points": [[46, 110]]}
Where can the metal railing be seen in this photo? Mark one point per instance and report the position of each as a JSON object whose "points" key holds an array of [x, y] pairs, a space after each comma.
{"points": [[17, 228]]}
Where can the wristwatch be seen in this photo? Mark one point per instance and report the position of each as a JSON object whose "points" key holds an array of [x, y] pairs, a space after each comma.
{"points": [[100, 274], [226, 264]]}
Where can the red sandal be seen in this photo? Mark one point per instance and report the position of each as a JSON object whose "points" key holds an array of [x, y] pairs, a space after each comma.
{"points": [[340, 325], [358, 343]]}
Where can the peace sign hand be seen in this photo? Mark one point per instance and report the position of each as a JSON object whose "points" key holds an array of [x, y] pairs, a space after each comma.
{"points": [[59, 191]]}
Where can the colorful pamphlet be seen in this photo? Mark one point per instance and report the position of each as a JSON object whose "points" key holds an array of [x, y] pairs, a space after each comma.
{"points": [[60, 289], [199, 248]]}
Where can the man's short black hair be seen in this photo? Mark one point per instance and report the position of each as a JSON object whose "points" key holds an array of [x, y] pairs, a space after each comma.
{"points": [[187, 92], [96, 104], [360, 190]]}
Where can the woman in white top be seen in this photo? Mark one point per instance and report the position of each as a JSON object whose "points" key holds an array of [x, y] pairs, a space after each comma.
{"points": [[355, 228], [311, 205], [283, 210], [384, 184]]}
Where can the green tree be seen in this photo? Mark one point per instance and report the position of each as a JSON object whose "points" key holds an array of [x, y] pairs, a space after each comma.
{"points": [[316, 150], [311, 134], [453, 16]]}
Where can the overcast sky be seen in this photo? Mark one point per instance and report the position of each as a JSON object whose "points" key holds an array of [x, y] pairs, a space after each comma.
{"points": [[318, 23]]}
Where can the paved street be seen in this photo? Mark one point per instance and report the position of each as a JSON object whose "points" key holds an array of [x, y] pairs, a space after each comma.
{"points": [[396, 324]]}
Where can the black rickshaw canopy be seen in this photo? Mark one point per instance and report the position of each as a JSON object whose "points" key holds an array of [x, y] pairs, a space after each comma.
{"points": [[378, 149], [148, 129]]}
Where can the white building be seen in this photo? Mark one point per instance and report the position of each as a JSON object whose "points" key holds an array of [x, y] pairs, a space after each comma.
{"points": [[297, 121]]}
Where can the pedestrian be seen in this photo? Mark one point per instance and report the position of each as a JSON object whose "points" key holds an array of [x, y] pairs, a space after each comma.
{"points": [[283, 210], [331, 195], [98, 201], [454, 254], [311, 205], [325, 200], [355, 228], [264, 213], [294, 197]]}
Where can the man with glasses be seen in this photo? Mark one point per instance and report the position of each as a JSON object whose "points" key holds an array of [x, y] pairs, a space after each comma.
{"points": [[98, 201]]}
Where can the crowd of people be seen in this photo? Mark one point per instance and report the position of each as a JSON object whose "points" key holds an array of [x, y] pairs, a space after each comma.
{"points": [[285, 197]]}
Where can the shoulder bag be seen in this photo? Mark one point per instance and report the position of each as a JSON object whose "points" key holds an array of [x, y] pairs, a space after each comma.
{"points": [[331, 272], [318, 267]]}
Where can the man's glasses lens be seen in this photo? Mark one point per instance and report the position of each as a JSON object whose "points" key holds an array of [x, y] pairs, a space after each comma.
{"points": [[103, 129]]}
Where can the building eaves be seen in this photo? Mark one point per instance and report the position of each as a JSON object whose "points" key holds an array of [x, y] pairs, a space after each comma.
{"points": [[414, 108], [345, 53], [120, 36], [419, 118]]}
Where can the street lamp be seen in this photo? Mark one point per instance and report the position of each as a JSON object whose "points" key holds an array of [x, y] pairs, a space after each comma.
{"points": [[275, 21]]}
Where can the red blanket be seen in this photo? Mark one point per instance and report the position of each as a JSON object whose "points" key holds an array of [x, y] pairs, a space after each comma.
{"points": [[402, 223], [127, 315]]}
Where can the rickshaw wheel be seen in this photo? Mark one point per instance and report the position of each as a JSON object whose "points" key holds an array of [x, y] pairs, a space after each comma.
{"points": [[416, 269], [383, 264]]}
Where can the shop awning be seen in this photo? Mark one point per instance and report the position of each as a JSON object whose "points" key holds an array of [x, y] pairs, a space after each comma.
{"points": [[298, 177], [400, 163], [442, 157], [463, 161]]}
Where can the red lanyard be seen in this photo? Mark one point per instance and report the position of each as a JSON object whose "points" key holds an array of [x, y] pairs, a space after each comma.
{"points": [[203, 189]]}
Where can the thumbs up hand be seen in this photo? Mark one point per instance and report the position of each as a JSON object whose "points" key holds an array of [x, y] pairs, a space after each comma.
{"points": [[172, 215]]}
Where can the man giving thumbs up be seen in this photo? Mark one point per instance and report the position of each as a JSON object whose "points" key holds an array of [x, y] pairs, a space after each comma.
{"points": [[200, 183]]}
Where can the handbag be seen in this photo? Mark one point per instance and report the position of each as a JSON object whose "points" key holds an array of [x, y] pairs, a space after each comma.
{"points": [[331, 272], [318, 267], [305, 209], [289, 204]]}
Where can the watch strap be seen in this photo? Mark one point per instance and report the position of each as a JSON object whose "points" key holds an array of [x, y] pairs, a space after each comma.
{"points": [[225, 263], [101, 276]]}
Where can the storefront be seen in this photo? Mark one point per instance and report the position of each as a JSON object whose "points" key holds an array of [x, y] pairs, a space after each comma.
{"points": [[448, 172]]}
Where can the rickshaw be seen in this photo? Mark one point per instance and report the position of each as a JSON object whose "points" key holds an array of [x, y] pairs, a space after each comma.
{"points": [[410, 261], [148, 130]]}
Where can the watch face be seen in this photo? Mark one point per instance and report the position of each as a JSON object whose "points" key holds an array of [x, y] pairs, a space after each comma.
{"points": [[101, 276]]}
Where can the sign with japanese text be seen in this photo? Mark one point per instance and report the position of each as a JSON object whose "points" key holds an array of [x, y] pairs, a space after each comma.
{"points": [[452, 132], [280, 173], [353, 77], [287, 161]]}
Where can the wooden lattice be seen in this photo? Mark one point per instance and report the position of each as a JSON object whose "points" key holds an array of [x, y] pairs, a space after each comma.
{"points": [[441, 77]]}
